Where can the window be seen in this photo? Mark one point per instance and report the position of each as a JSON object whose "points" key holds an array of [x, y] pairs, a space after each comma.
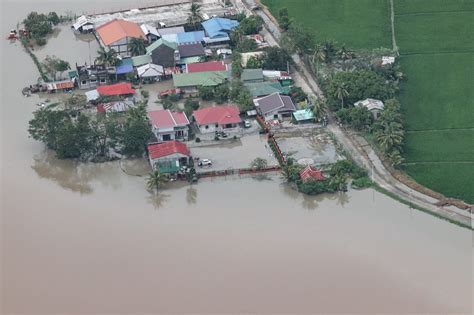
{"points": [[217, 126], [207, 127], [84, 82]]}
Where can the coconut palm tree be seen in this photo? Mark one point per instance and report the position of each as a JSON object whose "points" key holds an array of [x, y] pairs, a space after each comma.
{"points": [[196, 16], [329, 49], [395, 158], [341, 92], [107, 57], [319, 108], [319, 54], [137, 46], [390, 136], [156, 180]]}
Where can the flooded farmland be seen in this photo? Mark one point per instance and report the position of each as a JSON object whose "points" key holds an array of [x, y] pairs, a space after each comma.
{"points": [[89, 239]]}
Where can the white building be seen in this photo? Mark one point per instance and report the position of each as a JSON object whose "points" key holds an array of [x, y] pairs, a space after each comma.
{"points": [[373, 105]]}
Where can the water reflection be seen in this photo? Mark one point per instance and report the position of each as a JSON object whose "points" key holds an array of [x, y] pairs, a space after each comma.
{"points": [[191, 195], [74, 175], [67, 174], [157, 199]]}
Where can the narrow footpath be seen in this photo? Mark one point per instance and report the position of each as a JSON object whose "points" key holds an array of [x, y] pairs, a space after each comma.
{"points": [[360, 151]]}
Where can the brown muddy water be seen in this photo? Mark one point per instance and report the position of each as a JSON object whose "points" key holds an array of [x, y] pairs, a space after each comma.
{"points": [[89, 239]]}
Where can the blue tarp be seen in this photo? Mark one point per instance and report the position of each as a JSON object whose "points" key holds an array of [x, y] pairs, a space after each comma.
{"points": [[218, 27], [190, 37], [125, 66]]}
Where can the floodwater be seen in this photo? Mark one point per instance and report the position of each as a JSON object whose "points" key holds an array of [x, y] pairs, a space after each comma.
{"points": [[89, 239]]}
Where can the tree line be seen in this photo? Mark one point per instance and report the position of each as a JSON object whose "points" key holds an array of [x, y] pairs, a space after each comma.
{"points": [[72, 133]]}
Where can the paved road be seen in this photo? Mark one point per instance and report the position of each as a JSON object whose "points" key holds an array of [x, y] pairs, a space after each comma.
{"points": [[362, 153]]}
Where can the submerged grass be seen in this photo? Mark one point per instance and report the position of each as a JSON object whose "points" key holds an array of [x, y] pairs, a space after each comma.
{"points": [[414, 206]]}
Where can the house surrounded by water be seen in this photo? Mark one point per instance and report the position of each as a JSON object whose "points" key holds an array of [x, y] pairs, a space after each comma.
{"points": [[117, 35]]}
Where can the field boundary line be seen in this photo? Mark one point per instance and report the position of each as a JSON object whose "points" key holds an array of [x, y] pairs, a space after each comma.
{"points": [[392, 25], [438, 162], [437, 52], [439, 130], [432, 12]]}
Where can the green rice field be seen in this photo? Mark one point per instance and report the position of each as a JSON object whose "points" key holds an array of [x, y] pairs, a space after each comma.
{"points": [[436, 42], [357, 24]]}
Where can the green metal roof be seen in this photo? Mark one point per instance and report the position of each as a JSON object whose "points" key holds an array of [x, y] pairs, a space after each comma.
{"points": [[211, 78], [72, 74], [141, 60], [264, 88], [303, 114], [251, 75], [160, 42], [188, 60]]}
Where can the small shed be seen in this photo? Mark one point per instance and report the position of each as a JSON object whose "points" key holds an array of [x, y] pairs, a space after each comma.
{"points": [[311, 173], [304, 116], [150, 72], [373, 105], [169, 157]]}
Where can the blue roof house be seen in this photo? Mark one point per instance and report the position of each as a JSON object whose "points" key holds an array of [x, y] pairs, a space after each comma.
{"points": [[218, 28], [190, 37]]}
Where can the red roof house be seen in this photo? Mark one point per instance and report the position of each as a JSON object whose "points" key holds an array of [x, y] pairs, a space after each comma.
{"points": [[115, 89], [160, 150], [168, 125], [206, 66], [218, 118], [310, 173], [169, 156]]}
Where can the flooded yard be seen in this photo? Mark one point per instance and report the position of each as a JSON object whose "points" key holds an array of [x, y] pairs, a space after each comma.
{"points": [[237, 154], [317, 148]]}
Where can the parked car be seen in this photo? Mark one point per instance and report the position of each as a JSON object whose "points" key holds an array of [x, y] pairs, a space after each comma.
{"points": [[247, 124], [205, 162]]}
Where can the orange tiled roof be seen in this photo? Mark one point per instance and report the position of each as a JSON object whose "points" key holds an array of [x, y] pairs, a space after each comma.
{"points": [[116, 30]]}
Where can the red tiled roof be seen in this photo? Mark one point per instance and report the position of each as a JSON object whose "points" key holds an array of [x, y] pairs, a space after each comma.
{"points": [[116, 89], [218, 115], [116, 30], [311, 173], [159, 150], [167, 119], [207, 66]]}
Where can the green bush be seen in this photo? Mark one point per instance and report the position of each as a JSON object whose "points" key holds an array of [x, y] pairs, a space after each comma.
{"points": [[40, 41], [362, 182]]}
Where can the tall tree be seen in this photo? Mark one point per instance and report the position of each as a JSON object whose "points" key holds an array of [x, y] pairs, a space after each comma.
{"points": [[137, 46], [284, 19], [156, 180], [136, 132], [341, 93], [195, 15], [107, 57]]}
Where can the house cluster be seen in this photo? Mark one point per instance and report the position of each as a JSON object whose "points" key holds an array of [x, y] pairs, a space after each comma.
{"points": [[172, 53]]}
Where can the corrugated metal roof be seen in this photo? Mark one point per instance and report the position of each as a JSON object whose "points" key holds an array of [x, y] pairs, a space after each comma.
{"points": [[218, 27], [141, 60], [116, 30], [190, 37], [251, 75], [303, 114], [211, 78], [160, 42]]}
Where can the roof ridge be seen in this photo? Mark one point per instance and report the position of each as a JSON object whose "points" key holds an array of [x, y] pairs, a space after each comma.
{"points": [[174, 121]]}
